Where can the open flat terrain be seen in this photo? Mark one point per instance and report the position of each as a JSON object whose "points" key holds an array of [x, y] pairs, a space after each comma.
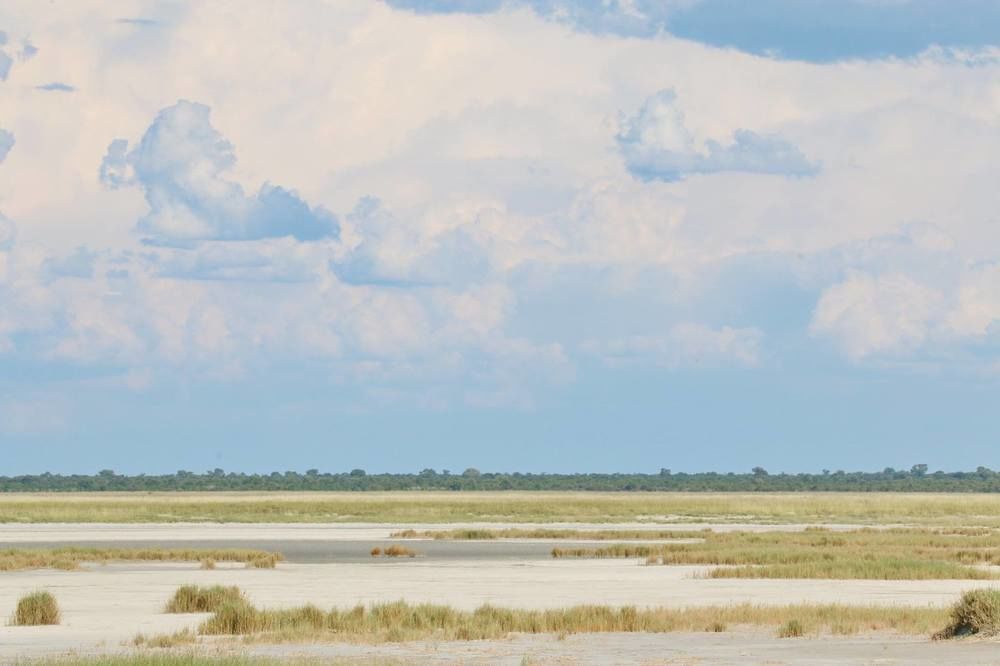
{"points": [[328, 563], [965, 509]]}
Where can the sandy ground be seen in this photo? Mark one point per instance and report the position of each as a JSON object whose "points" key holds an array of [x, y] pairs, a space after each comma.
{"points": [[106, 605], [690, 649]]}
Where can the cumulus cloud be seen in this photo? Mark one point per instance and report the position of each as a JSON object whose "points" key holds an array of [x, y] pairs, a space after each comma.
{"points": [[180, 164], [656, 145], [868, 314], [394, 251]]}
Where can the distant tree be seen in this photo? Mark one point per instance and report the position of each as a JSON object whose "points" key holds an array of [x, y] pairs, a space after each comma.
{"points": [[106, 473], [471, 473], [918, 470], [759, 471], [357, 472], [312, 472]]}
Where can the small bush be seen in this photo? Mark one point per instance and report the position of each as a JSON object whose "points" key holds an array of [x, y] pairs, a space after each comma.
{"points": [[977, 612], [376, 551], [36, 608], [791, 629], [208, 563], [195, 599], [716, 627]]}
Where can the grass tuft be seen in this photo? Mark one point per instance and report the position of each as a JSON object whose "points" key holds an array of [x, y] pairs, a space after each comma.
{"points": [[267, 561], [36, 608], [196, 599], [207, 563], [977, 612], [791, 629], [182, 637]]}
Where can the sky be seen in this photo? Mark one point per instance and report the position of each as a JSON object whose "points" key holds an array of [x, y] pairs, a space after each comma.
{"points": [[516, 235]]}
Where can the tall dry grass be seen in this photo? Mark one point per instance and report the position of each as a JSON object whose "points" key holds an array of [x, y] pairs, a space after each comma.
{"points": [[197, 599], [891, 554], [70, 557], [402, 622], [37, 608]]}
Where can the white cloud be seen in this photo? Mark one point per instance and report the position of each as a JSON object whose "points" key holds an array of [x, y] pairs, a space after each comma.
{"points": [[180, 165], [867, 314], [657, 146]]}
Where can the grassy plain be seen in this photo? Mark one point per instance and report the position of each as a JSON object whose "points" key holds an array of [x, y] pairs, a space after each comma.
{"points": [[70, 557], [514, 507], [886, 554]]}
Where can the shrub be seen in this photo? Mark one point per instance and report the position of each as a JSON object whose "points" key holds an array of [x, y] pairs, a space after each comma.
{"points": [[376, 551], [208, 563], [791, 629], [977, 612], [399, 551], [36, 608], [195, 599]]}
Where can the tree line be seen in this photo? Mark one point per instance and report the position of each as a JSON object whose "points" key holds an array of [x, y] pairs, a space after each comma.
{"points": [[915, 479]]}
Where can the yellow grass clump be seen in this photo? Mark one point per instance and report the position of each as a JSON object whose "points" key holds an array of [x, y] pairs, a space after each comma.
{"points": [[35, 609], [196, 599]]}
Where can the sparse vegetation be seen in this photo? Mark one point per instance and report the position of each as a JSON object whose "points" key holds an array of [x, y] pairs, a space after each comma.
{"points": [[977, 612], [791, 629], [207, 563], [70, 557], [197, 659], [394, 550], [889, 554], [196, 599], [176, 639], [544, 533], [37, 608], [402, 622], [264, 561]]}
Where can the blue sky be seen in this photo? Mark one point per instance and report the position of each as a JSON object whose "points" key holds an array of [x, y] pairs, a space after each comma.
{"points": [[528, 235]]}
